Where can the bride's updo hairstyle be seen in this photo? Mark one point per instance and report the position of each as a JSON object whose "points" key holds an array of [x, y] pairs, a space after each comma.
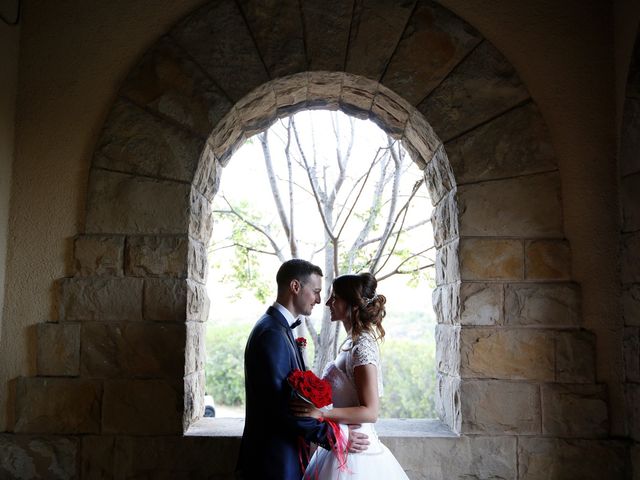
{"points": [[365, 305]]}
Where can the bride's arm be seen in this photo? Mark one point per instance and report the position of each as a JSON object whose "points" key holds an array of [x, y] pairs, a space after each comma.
{"points": [[366, 380]]}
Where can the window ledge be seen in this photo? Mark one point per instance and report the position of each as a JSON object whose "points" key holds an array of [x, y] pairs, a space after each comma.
{"points": [[388, 427]]}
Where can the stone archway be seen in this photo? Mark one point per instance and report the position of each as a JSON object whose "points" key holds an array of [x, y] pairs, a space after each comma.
{"points": [[516, 369]]}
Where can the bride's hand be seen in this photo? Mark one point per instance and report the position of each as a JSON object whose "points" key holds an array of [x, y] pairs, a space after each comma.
{"points": [[300, 408]]}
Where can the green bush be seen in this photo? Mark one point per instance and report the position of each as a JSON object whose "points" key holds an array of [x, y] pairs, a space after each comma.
{"points": [[224, 369], [408, 369]]}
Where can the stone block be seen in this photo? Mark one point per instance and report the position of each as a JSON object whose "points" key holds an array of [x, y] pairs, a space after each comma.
{"points": [[448, 264], [133, 350], [376, 28], [176, 457], [446, 303], [547, 260], [505, 353], [631, 304], [97, 457], [539, 304], [134, 141], [630, 258], [197, 302], [481, 303], [126, 204], [576, 410], [194, 391], [324, 90], [98, 255], [391, 112], [142, 407], [500, 407], [218, 38], [58, 349], [630, 200], [197, 261], [570, 459], [433, 43], [169, 82], [195, 350], [100, 298], [157, 256], [491, 259], [291, 93], [201, 224], [514, 144], [526, 206], [57, 405], [631, 351], [256, 111], [227, 137], [480, 88], [424, 139], [279, 35], [38, 456], [448, 401], [437, 174], [476, 457], [448, 349], [326, 27], [207, 177], [444, 219], [357, 95], [575, 356], [629, 138], [632, 404], [165, 300]]}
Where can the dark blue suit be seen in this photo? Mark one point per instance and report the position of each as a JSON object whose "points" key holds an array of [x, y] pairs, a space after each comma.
{"points": [[270, 442]]}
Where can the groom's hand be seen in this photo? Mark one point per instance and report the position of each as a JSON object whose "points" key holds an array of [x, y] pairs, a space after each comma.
{"points": [[358, 442]]}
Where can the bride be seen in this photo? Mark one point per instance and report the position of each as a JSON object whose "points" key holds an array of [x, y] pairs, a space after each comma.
{"points": [[356, 383]]}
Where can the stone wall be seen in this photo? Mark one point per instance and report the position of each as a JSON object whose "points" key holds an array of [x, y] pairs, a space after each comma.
{"points": [[630, 251], [120, 373]]}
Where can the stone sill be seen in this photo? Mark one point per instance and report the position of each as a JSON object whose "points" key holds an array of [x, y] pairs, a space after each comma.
{"points": [[386, 428]]}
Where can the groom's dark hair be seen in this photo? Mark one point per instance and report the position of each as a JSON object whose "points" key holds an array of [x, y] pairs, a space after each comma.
{"points": [[295, 269]]}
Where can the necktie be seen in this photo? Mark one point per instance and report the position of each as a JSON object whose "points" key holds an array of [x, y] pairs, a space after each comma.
{"points": [[296, 324]]}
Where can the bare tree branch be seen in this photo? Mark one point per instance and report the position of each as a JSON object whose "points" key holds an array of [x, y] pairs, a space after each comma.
{"points": [[277, 250], [266, 152], [403, 212], [242, 246], [403, 272]]}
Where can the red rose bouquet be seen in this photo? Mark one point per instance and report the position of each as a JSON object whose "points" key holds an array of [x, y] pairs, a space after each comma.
{"points": [[310, 388]]}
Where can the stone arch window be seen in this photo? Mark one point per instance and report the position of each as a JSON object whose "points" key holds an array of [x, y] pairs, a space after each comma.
{"points": [[353, 95], [245, 179]]}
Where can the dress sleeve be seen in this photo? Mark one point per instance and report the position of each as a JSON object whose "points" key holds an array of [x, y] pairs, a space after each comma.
{"points": [[365, 351]]}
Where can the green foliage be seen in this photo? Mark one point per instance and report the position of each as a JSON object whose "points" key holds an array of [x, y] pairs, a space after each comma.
{"points": [[224, 371], [409, 379], [245, 272]]}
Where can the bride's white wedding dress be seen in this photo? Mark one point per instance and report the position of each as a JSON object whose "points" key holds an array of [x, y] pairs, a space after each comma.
{"points": [[377, 462]]}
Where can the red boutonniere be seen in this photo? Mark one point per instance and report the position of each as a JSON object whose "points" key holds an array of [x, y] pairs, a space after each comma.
{"points": [[301, 342]]}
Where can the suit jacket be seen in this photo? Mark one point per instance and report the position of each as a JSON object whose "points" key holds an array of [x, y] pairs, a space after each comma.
{"points": [[271, 439]]}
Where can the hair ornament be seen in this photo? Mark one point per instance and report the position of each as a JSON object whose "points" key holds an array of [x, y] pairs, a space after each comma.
{"points": [[369, 301]]}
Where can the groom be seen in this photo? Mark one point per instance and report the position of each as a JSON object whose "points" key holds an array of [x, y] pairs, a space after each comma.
{"points": [[272, 437]]}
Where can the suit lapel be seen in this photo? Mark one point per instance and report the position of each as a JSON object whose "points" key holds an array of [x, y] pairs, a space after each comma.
{"points": [[273, 312]]}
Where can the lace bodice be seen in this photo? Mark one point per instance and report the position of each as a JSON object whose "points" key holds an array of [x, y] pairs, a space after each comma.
{"points": [[364, 351]]}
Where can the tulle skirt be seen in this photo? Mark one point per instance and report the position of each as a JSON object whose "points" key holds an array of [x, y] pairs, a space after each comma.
{"points": [[376, 463]]}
